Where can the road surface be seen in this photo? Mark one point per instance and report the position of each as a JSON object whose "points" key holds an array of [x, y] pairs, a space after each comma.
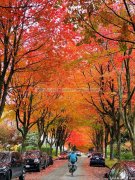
{"points": [[59, 171]]}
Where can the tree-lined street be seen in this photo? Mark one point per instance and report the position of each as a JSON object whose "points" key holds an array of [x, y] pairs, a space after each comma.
{"points": [[67, 82], [83, 172]]}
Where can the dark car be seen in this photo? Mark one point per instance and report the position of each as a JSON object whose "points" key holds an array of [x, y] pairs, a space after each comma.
{"points": [[11, 166], [35, 160], [63, 155], [50, 160], [123, 171], [97, 159]]}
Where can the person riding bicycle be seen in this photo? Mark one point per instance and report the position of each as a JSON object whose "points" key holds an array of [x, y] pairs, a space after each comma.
{"points": [[72, 157]]}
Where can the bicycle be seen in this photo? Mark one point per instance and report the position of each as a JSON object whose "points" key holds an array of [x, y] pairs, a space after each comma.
{"points": [[72, 168]]}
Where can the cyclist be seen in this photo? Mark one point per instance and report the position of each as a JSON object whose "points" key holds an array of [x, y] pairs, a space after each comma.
{"points": [[72, 158]]}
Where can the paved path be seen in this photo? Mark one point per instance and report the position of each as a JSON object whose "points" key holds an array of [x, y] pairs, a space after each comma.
{"points": [[84, 172]]}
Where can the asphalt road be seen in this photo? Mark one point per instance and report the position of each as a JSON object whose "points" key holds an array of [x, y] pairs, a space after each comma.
{"points": [[83, 172]]}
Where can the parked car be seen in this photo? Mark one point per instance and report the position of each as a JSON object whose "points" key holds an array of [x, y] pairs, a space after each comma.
{"points": [[97, 159], [35, 160], [11, 166], [78, 153], [63, 155], [124, 170], [50, 160], [46, 157], [89, 154]]}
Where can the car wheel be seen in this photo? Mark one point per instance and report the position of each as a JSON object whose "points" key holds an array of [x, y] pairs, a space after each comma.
{"points": [[21, 177], [44, 166], [39, 168], [8, 176]]}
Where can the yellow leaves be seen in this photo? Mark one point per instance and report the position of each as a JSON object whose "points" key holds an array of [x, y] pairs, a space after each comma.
{"points": [[113, 94], [7, 114]]}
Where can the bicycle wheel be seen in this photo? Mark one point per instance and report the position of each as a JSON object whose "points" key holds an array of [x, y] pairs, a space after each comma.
{"points": [[72, 173], [72, 169]]}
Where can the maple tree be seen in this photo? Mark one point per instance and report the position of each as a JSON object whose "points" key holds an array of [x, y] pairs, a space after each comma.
{"points": [[15, 41], [43, 126], [112, 36], [26, 28], [112, 20], [71, 63], [25, 101], [63, 132], [108, 105]]}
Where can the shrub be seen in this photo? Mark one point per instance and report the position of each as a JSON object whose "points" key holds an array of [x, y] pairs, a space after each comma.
{"points": [[45, 149], [127, 155], [30, 148]]}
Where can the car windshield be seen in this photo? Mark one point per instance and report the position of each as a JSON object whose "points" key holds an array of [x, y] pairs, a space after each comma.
{"points": [[32, 153], [97, 154], [4, 157]]}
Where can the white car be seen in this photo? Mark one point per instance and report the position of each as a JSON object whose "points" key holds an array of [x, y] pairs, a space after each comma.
{"points": [[89, 155], [78, 153]]}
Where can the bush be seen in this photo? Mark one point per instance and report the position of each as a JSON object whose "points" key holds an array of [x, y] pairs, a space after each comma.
{"points": [[32, 139], [45, 149], [27, 148], [127, 156]]}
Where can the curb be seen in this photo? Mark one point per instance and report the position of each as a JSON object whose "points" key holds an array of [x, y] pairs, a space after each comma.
{"points": [[107, 167]]}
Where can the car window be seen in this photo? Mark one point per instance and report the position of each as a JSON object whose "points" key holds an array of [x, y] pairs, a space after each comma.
{"points": [[122, 174], [97, 155]]}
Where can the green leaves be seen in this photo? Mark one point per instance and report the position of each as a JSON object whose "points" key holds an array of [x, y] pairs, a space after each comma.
{"points": [[123, 46]]}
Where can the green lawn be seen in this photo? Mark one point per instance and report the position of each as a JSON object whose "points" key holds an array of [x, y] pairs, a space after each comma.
{"points": [[110, 163]]}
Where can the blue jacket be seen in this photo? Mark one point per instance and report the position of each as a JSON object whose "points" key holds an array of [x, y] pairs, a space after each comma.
{"points": [[72, 157]]}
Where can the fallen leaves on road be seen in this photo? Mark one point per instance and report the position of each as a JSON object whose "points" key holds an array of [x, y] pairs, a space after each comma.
{"points": [[94, 173], [38, 175]]}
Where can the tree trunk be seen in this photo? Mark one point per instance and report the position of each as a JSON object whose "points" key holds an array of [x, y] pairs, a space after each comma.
{"points": [[23, 143], [111, 149], [41, 141], [105, 150], [133, 147], [56, 153], [101, 141], [106, 140], [60, 148], [63, 148], [118, 145], [51, 149], [39, 146]]}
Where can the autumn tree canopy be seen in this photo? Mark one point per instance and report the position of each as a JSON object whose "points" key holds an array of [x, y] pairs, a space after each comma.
{"points": [[68, 66]]}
